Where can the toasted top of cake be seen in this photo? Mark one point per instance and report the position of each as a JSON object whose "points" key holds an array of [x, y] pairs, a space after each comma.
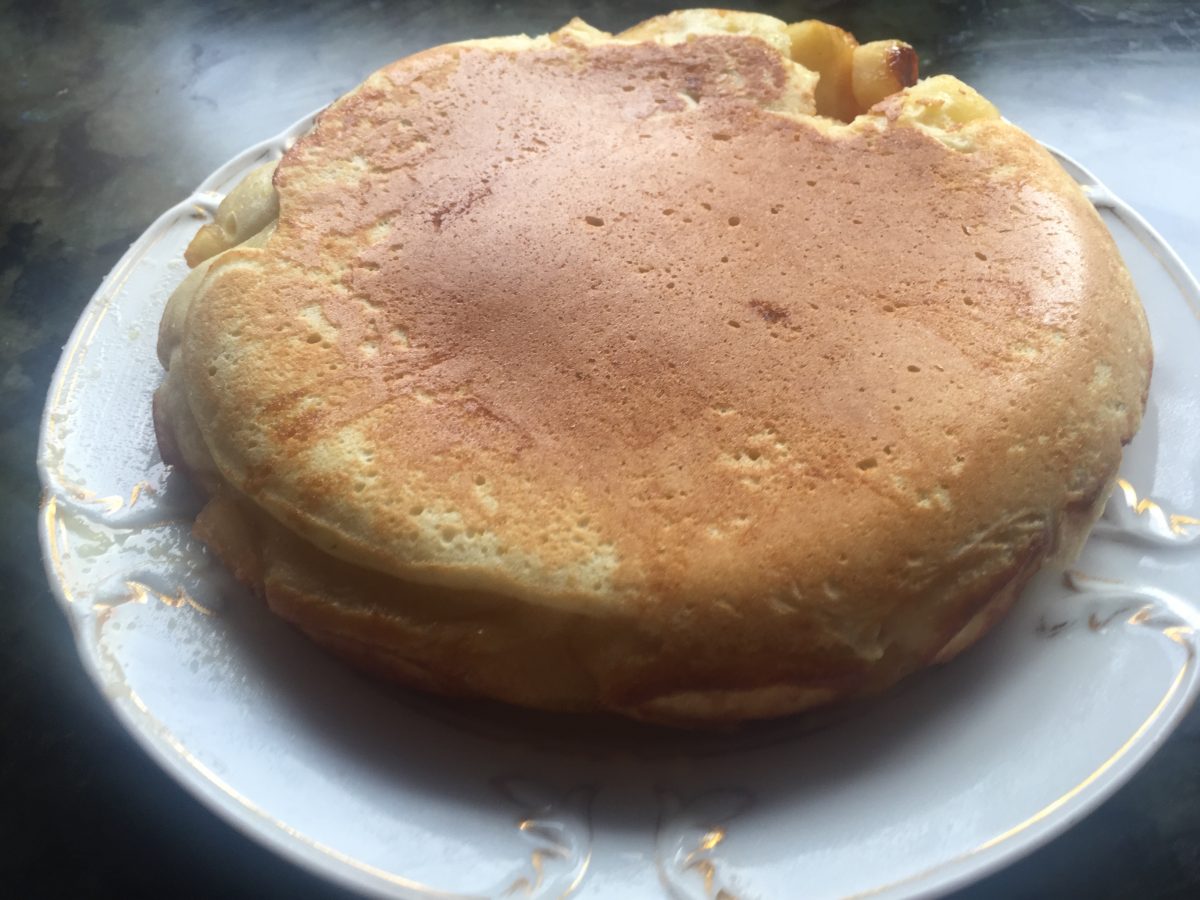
{"points": [[625, 328]]}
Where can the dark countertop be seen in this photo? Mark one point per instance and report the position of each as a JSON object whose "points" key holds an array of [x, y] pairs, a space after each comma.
{"points": [[113, 111]]}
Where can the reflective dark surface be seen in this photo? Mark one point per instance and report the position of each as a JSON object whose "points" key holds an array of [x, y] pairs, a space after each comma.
{"points": [[111, 112]]}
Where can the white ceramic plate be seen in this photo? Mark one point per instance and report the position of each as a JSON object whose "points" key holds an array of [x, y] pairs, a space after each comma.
{"points": [[958, 772]]}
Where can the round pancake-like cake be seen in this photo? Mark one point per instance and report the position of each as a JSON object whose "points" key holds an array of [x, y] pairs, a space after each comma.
{"points": [[632, 373]]}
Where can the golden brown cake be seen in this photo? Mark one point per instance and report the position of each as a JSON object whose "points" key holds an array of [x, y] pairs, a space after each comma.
{"points": [[706, 372]]}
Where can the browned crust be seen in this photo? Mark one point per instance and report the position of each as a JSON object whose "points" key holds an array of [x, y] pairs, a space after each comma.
{"points": [[700, 440]]}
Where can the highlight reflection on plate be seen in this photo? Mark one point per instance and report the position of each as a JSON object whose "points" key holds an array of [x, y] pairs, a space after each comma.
{"points": [[962, 769]]}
